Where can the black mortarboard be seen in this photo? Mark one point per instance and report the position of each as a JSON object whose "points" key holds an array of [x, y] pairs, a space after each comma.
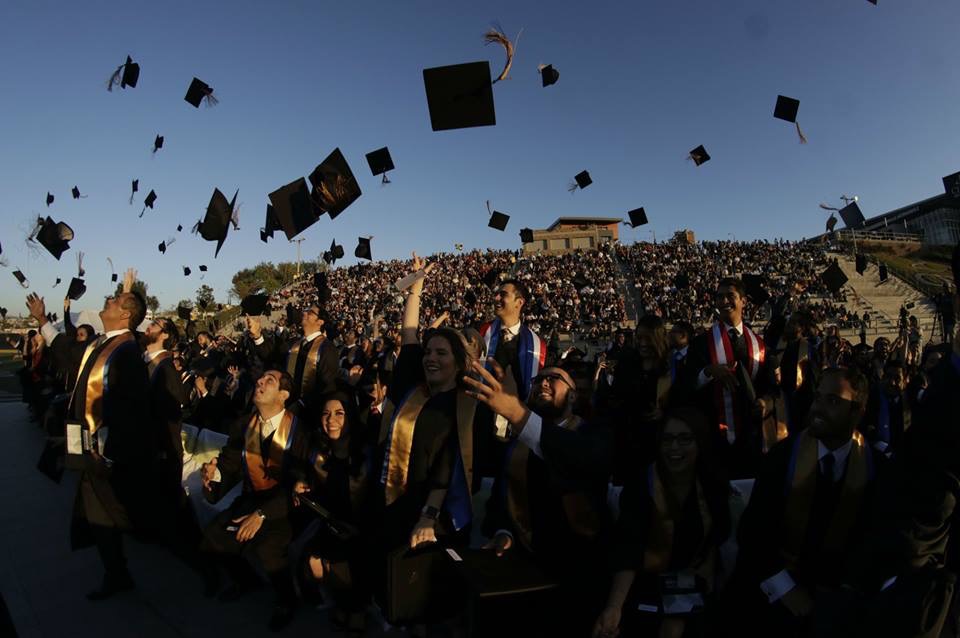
{"points": [[184, 312], [56, 283], [831, 223], [125, 75], [491, 278], [754, 285], [162, 247], [148, 202], [581, 180], [294, 315], [158, 143], [910, 305], [699, 155], [202, 268], [579, 281], [54, 236], [21, 278], [292, 207], [526, 235], [186, 271], [198, 92], [638, 217], [951, 185], [334, 186], [320, 282], [76, 289], [681, 281], [362, 250], [336, 250], [50, 198], [498, 220], [179, 227], [270, 224], [833, 278], [786, 108], [113, 277], [861, 263], [460, 96], [548, 75], [216, 223], [851, 215], [883, 272], [3, 313], [75, 191], [380, 162], [470, 297], [134, 187]]}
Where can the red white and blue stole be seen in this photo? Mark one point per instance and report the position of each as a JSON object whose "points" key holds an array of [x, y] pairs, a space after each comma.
{"points": [[721, 352], [531, 349]]}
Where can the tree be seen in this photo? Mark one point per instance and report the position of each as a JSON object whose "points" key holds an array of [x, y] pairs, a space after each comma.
{"points": [[141, 287], [205, 298]]}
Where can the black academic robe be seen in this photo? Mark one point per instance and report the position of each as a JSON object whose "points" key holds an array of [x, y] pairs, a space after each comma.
{"points": [[116, 490], [900, 414], [168, 396], [274, 353]]}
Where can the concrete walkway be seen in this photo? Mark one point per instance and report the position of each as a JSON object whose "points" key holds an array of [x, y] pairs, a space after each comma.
{"points": [[44, 584]]}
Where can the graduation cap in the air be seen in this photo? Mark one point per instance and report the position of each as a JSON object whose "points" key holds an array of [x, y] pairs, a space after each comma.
{"points": [[56, 283], [179, 228], [852, 216], [134, 187], [20, 277], [336, 252], [491, 278], [50, 198], [113, 271], [75, 191], [148, 202], [186, 271], [579, 281], [320, 283], [294, 315], [292, 208], [158, 143], [76, 289], [638, 217], [883, 272], [202, 268], [470, 297], [786, 109], [216, 223], [699, 155], [54, 236], [548, 74], [460, 96], [184, 312], [498, 220], [334, 186], [951, 185], [380, 162], [269, 225], [125, 75], [526, 235], [362, 251], [861, 260], [199, 92], [755, 288], [581, 180], [833, 278], [681, 281], [52, 317], [166, 244], [831, 223]]}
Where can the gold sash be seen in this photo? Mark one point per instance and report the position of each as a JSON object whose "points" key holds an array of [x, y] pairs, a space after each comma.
{"points": [[400, 432], [802, 488], [659, 549], [156, 361], [309, 366], [264, 473], [96, 380], [466, 408]]}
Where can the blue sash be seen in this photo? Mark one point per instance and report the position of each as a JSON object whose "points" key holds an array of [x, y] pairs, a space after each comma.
{"points": [[458, 502]]}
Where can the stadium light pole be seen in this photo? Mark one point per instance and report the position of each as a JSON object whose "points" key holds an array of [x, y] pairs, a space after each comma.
{"points": [[297, 242]]}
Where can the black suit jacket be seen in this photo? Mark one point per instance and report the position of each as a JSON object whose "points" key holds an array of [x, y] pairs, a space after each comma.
{"points": [[273, 352]]}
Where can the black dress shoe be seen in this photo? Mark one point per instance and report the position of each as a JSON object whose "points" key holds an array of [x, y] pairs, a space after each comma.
{"points": [[282, 615], [112, 585]]}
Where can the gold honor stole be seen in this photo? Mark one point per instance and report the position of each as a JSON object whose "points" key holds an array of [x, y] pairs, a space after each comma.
{"points": [[396, 429], [659, 549], [309, 370], [775, 426], [802, 477], [582, 518], [96, 386], [156, 361], [263, 471]]}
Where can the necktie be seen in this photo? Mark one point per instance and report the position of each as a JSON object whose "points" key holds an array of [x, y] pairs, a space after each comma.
{"points": [[737, 345], [827, 464], [506, 335]]}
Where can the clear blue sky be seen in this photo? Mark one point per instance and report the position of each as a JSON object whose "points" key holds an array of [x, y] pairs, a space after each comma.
{"points": [[641, 83]]}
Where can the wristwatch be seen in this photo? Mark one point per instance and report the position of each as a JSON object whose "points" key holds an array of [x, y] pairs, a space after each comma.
{"points": [[431, 512], [262, 516]]}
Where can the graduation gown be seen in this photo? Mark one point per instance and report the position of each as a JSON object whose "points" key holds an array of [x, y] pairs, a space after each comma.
{"points": [[313, 366]]}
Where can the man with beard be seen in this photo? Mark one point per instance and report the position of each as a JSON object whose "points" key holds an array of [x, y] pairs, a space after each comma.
{"points": [[105, 415], [311, 361], [726, 377], [168, 394], [888, 413], [809, 509], [550, 499]]}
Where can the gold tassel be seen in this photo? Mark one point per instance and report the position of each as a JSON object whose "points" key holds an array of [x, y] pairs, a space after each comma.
{"points": [[497, 36], [803, 139]]}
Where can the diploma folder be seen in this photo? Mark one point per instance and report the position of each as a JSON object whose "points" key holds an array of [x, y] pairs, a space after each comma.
{"points": [[341, 529]]}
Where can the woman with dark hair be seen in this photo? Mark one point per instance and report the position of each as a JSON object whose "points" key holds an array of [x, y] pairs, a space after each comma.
{"points": [[426, 433], [339, 481], [638, 396], [673, 519]]}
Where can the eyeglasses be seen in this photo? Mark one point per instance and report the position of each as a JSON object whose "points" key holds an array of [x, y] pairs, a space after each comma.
{"points": [[551, 377], [684, 439]]}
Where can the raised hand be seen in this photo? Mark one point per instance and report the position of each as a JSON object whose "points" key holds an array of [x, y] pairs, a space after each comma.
{"points": [[128, 278], [38, 310], [254, 327]]}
